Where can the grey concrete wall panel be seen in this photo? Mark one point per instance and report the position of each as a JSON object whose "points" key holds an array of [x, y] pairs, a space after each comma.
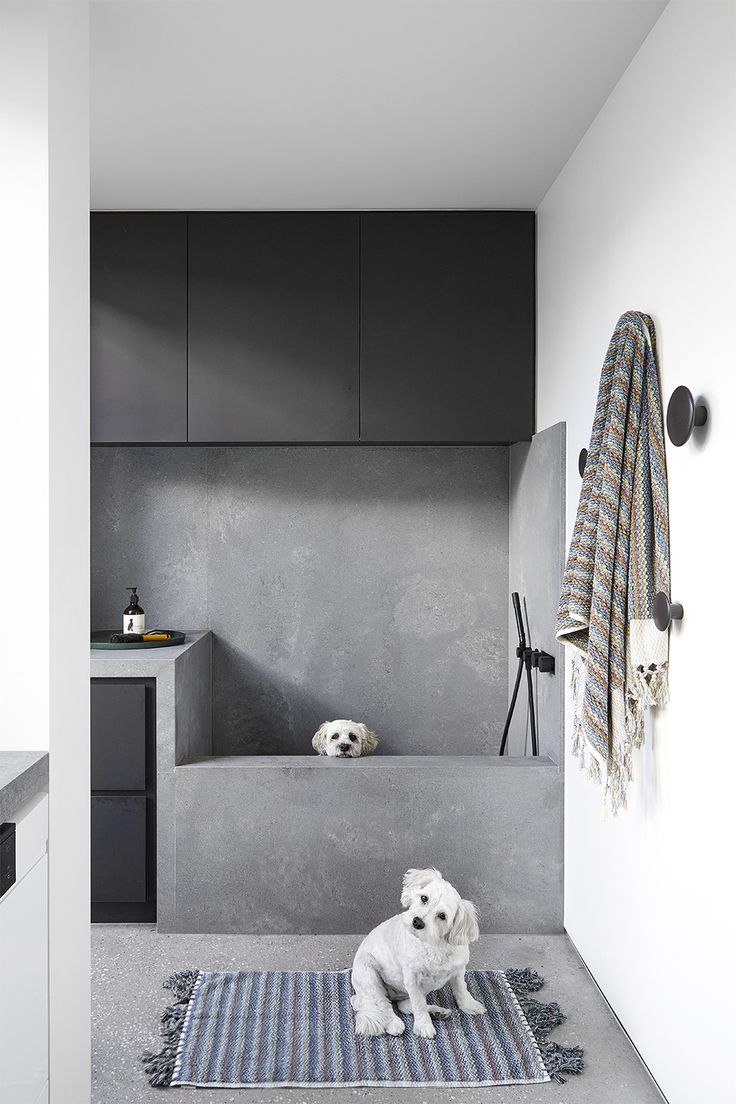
{"points": [[369, 583], [536, 563]]}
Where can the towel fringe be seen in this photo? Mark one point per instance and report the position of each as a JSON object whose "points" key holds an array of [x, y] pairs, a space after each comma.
{"points": [[651, 686]]}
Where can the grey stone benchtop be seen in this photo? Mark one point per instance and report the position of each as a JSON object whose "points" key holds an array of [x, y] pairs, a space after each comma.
{"points": [[140, 662], [22, 775]]}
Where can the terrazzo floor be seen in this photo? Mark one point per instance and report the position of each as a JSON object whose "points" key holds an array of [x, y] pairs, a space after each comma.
{"points": [[130, 962]]}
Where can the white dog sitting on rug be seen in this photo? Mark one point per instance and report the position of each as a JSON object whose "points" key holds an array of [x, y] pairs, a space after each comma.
{"points": [[412, 954], [344, 739]]}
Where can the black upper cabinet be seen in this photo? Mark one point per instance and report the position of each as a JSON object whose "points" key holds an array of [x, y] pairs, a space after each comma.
{"points": [[138, 325], [447, 326], [273, 327], [297, 326]]}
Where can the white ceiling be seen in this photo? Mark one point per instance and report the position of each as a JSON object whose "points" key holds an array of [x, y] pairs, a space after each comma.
{"points": [[282, 104]]}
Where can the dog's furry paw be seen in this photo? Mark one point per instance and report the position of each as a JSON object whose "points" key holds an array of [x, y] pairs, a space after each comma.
{"points": [[364, 1025], [424, 1027], [440, 1011], [472, 1007]]}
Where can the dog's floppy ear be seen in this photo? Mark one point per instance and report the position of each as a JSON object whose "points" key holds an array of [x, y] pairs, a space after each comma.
{"points": [[416, 879], [319, 740], [368, 740], [465, 925]]}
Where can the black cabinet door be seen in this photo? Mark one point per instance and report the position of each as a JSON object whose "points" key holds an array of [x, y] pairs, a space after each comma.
{"points": [[447, 326], [138, 327], [118, 726], [273, 327], [123, 732], [119, 848]]}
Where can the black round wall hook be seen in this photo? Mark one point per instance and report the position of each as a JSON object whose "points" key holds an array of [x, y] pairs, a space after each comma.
{"points": [[665, 612], [582, 461], [683, 415]]}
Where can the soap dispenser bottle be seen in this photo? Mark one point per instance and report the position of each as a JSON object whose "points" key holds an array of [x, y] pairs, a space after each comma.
{"points": [[134, 619]]}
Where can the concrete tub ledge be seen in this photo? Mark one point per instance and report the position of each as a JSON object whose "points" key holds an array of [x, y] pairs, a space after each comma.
{"points": [[373, 762], [305, 844]]}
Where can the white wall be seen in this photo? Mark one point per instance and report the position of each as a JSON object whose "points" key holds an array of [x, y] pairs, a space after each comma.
{"points": [[642, 217], [44, 470], [24, 366]]}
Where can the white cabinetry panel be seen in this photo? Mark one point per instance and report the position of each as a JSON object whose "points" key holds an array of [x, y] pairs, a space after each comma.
{"points": [[24, 965]]}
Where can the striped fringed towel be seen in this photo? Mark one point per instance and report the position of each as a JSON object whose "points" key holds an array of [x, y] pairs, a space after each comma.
{"points": [[619, 559], [279, 1028]]}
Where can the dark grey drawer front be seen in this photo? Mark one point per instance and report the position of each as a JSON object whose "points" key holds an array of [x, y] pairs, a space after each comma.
{"points": [[119, 848], [118, 736]]}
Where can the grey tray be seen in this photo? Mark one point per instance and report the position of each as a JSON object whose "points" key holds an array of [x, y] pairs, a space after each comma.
{"points": [[100, 641]]}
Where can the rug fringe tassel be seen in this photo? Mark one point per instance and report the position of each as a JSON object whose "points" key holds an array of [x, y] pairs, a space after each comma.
{"points": [[524, 981], [559, 1060], [160, 1067], [542, 1019]]}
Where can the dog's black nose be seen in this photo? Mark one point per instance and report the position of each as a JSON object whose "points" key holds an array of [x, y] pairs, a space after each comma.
{"points": [[344, 747], [417, 923]]}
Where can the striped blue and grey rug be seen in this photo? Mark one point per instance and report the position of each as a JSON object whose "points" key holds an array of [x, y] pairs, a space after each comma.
{"points": [[297, 1029]]}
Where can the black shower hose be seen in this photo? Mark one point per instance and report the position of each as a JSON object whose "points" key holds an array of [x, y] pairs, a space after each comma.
{"points": [[525, 660], [509, 715]]}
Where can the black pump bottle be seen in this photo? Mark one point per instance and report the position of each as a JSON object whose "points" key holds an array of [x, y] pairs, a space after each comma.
{"points": [[134, 618]]}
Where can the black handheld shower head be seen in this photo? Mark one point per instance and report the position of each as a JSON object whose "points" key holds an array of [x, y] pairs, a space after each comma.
{"points": [[516, 603]]}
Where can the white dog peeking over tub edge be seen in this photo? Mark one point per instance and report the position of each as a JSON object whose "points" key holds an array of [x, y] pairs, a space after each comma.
{"points": [[344, 739], [412, 954]]}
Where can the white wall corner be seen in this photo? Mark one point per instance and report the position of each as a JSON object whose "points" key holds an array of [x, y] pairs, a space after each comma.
{"points": [[643, 217]]}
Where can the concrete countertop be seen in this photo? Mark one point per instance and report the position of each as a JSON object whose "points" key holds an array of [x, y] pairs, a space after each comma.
{"points": [[22, 775], [139, 662]]}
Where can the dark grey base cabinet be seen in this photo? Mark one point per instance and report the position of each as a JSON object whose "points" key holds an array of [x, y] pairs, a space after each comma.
{"points": [[313, 327], [123, 814]]}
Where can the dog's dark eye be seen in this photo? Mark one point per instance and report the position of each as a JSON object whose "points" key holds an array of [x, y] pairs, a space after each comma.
{"points": [[335, 735], [441, 916], [352, 736], [424, 899]]}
